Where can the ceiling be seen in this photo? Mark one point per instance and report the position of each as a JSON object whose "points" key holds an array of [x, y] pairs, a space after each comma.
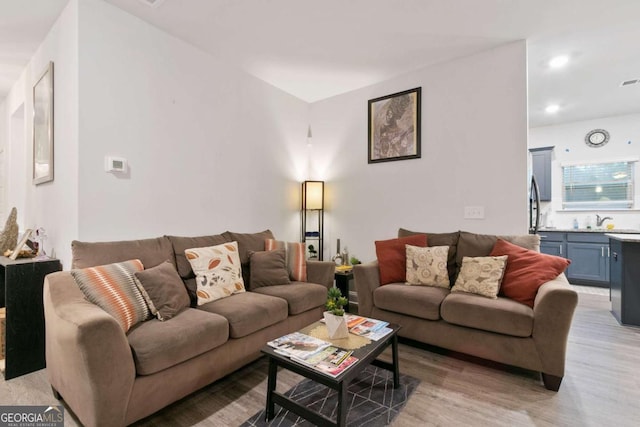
{"points": [[318, 49]]}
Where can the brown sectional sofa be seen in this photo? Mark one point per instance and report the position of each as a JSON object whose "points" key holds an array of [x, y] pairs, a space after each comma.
{"points": [[500, 330], [109, 378]]}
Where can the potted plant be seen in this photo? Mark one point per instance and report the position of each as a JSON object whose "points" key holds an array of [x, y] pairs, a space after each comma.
{"points": [[312, 252], [334, 316]]}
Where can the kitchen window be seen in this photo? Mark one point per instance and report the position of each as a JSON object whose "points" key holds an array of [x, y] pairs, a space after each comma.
{"points": [[598, 185]]}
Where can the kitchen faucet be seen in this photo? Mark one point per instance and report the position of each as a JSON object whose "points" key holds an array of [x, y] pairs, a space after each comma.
{"points": [[599, 220]]}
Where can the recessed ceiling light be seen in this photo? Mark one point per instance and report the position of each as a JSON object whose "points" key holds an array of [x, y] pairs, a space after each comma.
{"points": [[553, 108], [559, 61]]}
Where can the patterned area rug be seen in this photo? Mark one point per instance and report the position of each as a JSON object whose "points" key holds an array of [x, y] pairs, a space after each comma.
{"points": [[372, 400]]}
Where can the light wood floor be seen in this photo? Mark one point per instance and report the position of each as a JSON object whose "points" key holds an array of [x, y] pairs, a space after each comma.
{"points": [[601, 386]]}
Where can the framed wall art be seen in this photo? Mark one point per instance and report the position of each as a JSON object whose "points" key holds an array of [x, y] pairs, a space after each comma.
{"points": [[43, 127], [394, 126]]}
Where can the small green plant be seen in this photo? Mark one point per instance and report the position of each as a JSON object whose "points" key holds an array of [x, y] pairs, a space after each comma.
{"points": [[312, 251], [354, 261], [336, 302]]}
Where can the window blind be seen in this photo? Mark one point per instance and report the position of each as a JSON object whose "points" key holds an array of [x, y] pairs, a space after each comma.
{"points": [[598, 186]]}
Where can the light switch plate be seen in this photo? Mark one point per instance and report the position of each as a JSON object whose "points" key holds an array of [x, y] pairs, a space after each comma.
{"points": [[474, 212]]}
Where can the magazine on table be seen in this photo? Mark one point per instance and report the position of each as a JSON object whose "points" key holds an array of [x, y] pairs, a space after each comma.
{"points": [[376, 335], [335, 370], [331, 360], [298, 345], [369, 325]]}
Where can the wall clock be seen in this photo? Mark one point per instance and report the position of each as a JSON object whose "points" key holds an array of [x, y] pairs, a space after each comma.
{"points": [[596, 138]]}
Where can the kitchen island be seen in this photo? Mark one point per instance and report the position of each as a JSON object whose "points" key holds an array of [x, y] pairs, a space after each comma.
{"points": [[625, 277]]}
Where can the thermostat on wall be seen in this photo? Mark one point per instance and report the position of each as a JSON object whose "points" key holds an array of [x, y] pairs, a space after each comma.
{"points": [[115, 164]]}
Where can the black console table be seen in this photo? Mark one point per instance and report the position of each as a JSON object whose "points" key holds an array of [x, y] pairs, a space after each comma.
{"points": [[21, 293]]}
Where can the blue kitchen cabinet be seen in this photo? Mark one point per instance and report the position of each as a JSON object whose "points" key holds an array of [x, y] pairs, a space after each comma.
{"points": [[541, 168], [553, 243], [588, 251], [589, 255]]}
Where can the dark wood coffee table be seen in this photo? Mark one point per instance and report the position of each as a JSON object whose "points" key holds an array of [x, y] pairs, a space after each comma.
{"points": [[366, 356]]}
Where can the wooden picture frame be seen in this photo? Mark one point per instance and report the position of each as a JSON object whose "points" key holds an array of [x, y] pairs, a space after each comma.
{"points": [[21, 243], [394, 126], [43, 127]]}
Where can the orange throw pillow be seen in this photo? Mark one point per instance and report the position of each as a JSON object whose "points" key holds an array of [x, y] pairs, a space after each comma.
{"points": [[526, 271], [392, 257]]}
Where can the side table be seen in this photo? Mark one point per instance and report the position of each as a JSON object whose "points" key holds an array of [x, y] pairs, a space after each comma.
{"points": [[21, 283], [342, 282]]}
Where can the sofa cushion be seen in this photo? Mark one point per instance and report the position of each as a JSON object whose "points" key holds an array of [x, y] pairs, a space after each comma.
{"points": [[441, 239], [217, 270], [418, 301], [248, 242], [180, 244], [248, 312], [113, 288], [299, 296], [163, 290], [472, 244], [150, 252], [501, 315], [268, 268], [392, 257], [295, 257], [427, 266], [481, 275], [526, 271], [159, 345]]}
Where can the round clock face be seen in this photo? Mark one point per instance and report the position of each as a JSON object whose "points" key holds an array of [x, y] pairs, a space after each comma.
{"points": [[597, 138]]}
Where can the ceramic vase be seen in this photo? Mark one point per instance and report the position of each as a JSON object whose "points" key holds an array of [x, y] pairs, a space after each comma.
{"points": [[336, 326]]}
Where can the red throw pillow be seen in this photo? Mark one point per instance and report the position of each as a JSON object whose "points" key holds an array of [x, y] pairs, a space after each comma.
{"points": [[526, 271], [392, 257]]}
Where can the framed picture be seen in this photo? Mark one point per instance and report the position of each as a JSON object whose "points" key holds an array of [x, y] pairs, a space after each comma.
{"points": [[43, 127], [394, 126]]}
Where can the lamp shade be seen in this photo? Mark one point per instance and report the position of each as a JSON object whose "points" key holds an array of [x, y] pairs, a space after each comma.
{"points": [[313, 195]]}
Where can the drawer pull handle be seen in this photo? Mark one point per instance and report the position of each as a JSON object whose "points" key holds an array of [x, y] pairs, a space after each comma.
{"points": [[602, 251]]}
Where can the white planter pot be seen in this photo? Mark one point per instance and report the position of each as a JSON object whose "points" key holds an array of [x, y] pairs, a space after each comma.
{"points": [[336, 326]]}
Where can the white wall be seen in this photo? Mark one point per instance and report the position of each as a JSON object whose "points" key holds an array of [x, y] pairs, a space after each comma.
{"points": [[4, 212], [51, 205], [474, 153], [568, 140], [54, 205], [210, 148]]}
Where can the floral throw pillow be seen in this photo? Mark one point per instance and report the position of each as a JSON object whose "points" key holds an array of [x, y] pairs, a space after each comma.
{"points": [[218, 271], [481, 275], [427, 266]]}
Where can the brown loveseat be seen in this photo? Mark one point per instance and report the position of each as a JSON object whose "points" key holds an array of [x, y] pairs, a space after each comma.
{"points": [[500, 330], [110, 378]]}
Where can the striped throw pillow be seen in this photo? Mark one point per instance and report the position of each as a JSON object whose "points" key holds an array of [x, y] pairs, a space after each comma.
{"points": [[112, 287], [295, 257]]}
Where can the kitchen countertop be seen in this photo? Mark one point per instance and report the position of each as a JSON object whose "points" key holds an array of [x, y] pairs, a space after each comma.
{"points": [[624, 237], [590, 230]]}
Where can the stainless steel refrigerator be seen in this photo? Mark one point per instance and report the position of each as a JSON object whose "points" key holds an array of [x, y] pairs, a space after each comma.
{"points": [[534, 206]]}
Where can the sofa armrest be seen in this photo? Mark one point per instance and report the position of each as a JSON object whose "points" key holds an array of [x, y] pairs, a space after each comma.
{"points": [[553, 311], [367, 279], [321, 272], [89, 361]]}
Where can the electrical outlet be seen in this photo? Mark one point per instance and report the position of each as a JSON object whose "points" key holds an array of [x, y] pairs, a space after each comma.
{"points": [[474, 212]]}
